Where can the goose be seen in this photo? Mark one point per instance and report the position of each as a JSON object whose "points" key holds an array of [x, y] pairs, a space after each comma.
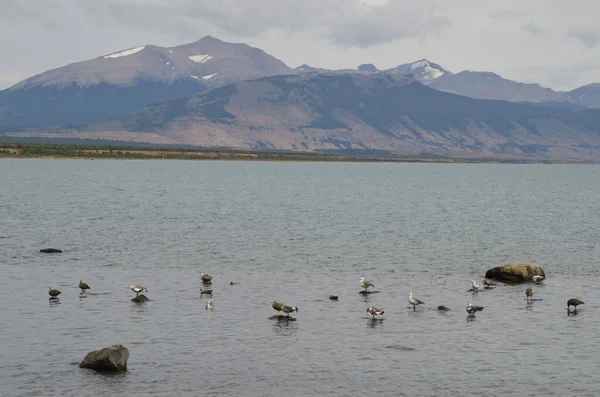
{"points": [[474, 285], [374, 311], [83, 286], [54, 293], [529, 293], [538, 279], [206, 279], [333, 297], [289, 309], [366, 284], [487, 284], [209, 306], [414, 301], [574, 302], [277, 306], [473, 309], [206, 291], [138, 288]]}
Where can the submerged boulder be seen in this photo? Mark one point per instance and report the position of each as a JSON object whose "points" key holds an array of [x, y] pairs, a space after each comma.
{"points": [[517, 273], [50, 251], [113, 359], [140, 298]]}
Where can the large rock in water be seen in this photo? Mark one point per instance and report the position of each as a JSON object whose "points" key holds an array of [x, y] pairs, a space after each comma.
{"points": [[50, 251], [111, 359], [518, 273]]}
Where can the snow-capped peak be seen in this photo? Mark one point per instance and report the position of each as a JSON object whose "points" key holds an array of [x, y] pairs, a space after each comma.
{"points": [[428, 71], [120, 54]]}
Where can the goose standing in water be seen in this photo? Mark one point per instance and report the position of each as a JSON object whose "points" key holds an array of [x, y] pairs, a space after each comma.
{"points": [[574, 302], [277, 306], [54, 293], [374, 311], [83, 286], [529, 293], [366, 284], [209, 306], [473, 309], [138, 288], [289, 309], [414, 301], [206, 279], [487, 284], [474, 286]]}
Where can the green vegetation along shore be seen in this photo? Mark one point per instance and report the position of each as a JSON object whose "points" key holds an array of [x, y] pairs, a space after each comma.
{"points": [[79, 151]]}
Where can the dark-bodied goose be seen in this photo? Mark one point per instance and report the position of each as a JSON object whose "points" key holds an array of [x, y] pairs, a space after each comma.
{"points": [[277, 306], [206, 291], [206, 279], [473, 309], [289, 309], [366, 284], [574, 302], [54, 293], [374, 311], [138, 288], [529, 293], [414, 301], [83, 286]]}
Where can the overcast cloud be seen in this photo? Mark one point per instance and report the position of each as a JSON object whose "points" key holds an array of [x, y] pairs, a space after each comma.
{"points": [[552, 42]]}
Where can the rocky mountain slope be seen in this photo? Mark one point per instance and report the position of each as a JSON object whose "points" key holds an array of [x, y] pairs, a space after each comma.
{"points": [[125, 81], [319, 111]]}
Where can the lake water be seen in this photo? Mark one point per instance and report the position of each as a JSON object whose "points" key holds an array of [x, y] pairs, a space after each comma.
{"points": [[297, 232]]}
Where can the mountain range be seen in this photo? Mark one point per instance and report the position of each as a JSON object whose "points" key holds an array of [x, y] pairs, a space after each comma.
{"points": [[213, 93]]}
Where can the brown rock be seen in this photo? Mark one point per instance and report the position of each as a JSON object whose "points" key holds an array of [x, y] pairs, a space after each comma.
{"points": [[113, 359], [516, 273]]}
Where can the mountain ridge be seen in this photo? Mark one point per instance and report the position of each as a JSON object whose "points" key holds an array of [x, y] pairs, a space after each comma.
{"points": [[379, 111]]}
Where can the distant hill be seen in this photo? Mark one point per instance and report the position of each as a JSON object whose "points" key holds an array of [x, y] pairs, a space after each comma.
{"points": [[318, 111], [125, 81], [486, 85]]}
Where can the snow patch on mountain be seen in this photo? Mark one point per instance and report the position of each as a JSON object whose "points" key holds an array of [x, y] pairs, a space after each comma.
{"points": [[202, 58], [120, 54], [428, 72]]}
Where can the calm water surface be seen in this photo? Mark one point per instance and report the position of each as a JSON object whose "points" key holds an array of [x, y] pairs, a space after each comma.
{"points": [[297, 232]]}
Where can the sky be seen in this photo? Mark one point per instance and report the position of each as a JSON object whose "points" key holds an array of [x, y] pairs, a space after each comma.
{"points": [[555, 43]]}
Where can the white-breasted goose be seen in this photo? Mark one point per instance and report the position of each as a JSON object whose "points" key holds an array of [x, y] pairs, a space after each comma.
{"points": [[374, 311], [83, 286], [206, 279], [209, 306], [54, 293], [474, 285], [414, 301], [138, 288], [473, 309], [574, 302], [289, 309], [529, 293], [366, 284]]}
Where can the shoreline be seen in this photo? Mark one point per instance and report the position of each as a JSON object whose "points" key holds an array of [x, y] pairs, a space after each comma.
{"points": [[83, 152]]}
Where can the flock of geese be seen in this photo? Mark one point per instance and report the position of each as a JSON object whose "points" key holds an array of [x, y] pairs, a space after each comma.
{"points": [[372, 311]]}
